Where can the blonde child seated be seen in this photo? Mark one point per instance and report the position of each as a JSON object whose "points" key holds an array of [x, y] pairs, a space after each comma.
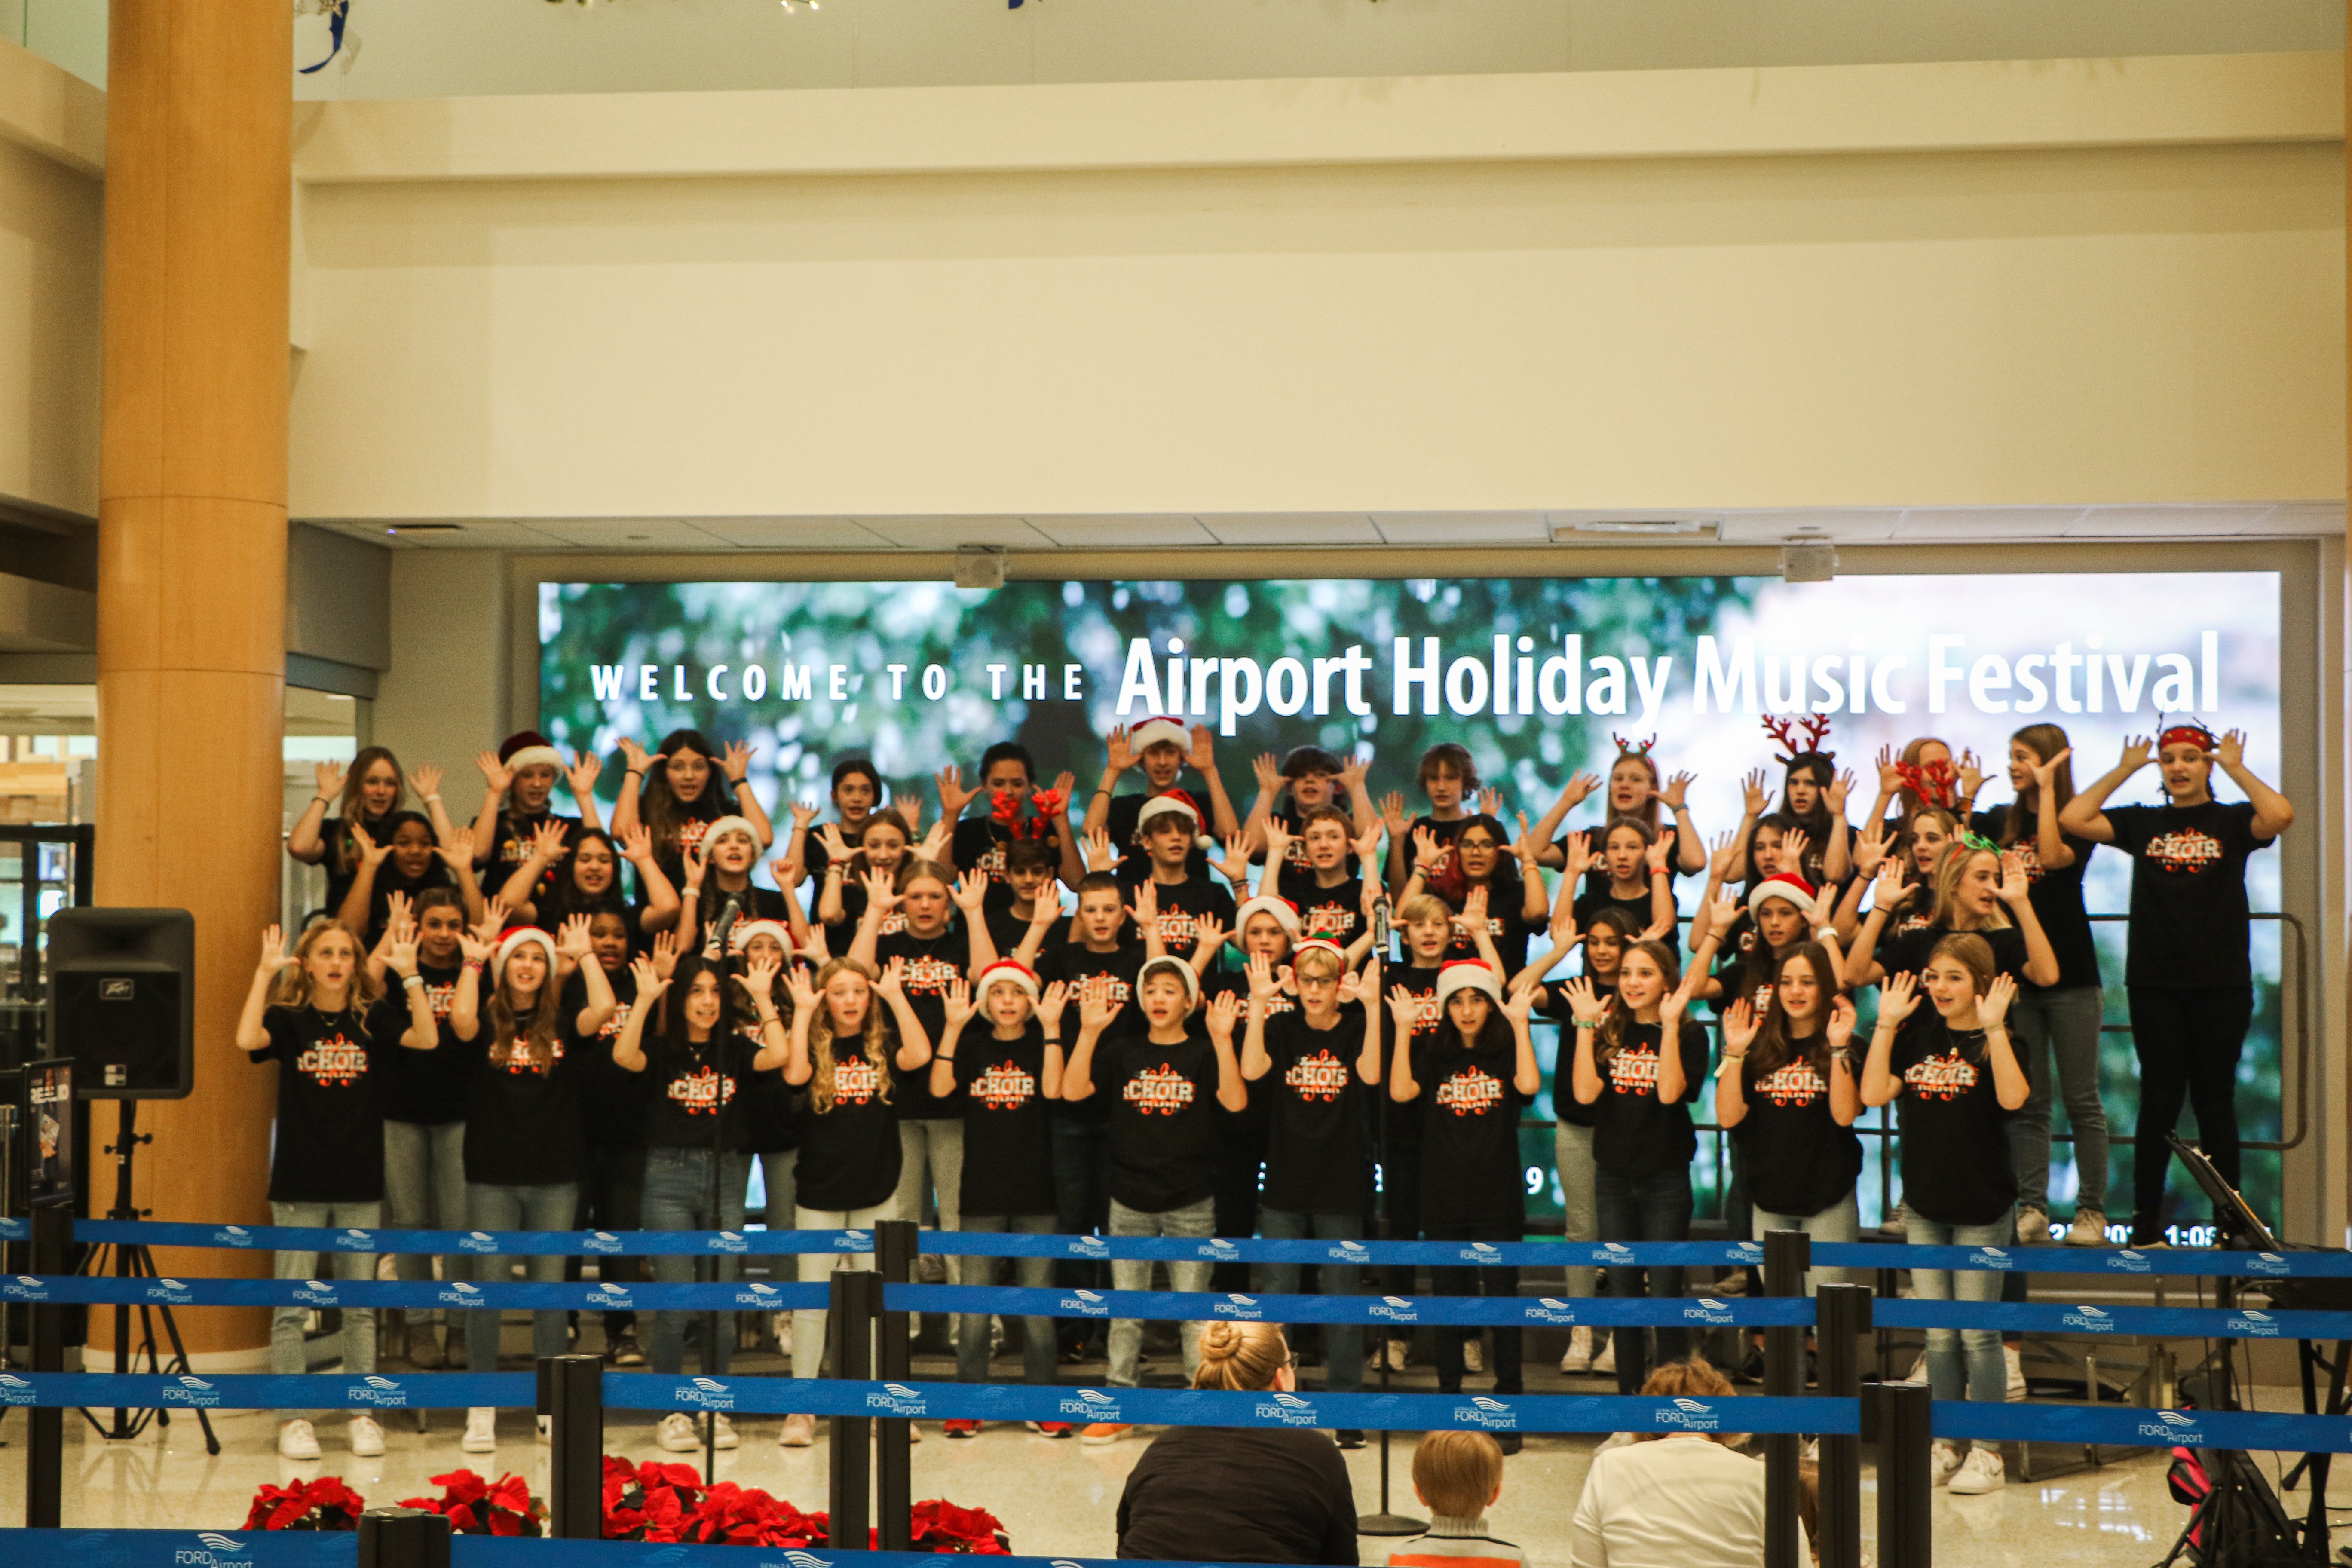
{"points": [[1457, 1476]]}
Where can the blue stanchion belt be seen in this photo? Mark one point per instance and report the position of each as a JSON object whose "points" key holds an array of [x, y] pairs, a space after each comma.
{"points": [[268, 1391], [318, 1294], [1542, 1311], [1438, 1254], [2122, 1426], [484, 1243], [2153, 1261], [339, 1549], [947, 1400], [2156, 1322]]}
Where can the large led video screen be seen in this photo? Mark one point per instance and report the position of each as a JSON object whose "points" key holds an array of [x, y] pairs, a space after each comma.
{"points": [[1538, 677]]}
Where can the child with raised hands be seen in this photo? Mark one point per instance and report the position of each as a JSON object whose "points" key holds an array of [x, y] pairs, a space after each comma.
{"points": [[1002, 1076], [857, 792], [1449, 781], [404, 864], [697, 1071], [1959, 1080], [1308, 779], [1319, 1070], [320, 1018], [771, 1109], [1788, 1091], [1915, 848], [1426, 927], [1631, 871], [613, 1106], [1162, 1081], [1470, 1085], [577, 872], [525, 1134], [518, 783], [1317, 868], [1978, 888], [1636, 793], [857, 1043], [365, 796], [1161, 748], [1032, 872], [682, 786], [716, 869], [1924, 777], [1018, 812], [1640, 1062], [886, 844]]}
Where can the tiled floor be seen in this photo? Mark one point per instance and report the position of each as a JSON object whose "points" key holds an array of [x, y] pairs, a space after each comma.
{"points": [[1055, 1497]]}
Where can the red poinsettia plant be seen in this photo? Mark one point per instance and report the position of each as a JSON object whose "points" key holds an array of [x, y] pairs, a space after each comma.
{"points": [[940, 1526], [476, 1507], [321, 1504], [662, 1503]]}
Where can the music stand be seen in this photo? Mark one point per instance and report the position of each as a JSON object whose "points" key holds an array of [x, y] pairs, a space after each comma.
{"points": [[2240, 1229]]}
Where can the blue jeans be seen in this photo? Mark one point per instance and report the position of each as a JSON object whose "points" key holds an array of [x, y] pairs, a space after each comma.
{"points": [[286, 1354], [1571, 1148], [1645, 1208], [678, 1197], [1039, 1357], [543, 1206], [1985, 1374], [2059, 1026], [1842, 1221], [424, 1189], [1193, 1222], [818, 1269], [1343, 1344]]}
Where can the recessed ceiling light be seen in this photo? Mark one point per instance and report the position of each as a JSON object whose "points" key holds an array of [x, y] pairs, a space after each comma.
{"points": [[422, 527]]}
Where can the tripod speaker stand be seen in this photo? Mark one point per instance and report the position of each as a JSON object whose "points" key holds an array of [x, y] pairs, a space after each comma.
{"points": [[132, 1261]]}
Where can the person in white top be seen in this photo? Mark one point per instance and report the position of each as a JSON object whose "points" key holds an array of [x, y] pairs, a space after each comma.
{"points": [[1684, 1500]]}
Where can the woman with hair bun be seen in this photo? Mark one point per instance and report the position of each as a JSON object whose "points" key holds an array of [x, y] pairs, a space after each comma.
{"points": [[1221, 1494]]}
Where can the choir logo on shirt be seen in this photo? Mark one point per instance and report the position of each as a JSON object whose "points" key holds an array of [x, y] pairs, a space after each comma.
{"points": [[992, 863], [1176, 928], [441, 998], [1114, 988], [1278, 1004], [929, 976], [1941, 1077], [333, 1061], [2185, 851], [613, 1024], [1795, 1084], [1159, 1091], [2032, 857], [689, 835], [1635, 1071], [1471, 1092], [854, 1081], [1329, 919], [518, 1059], [1294, 853], [1430, 1014], [1462, 933], [1910, 923], [697, 1093], [1321, 1076], [1003, 1086], [893, 924]]}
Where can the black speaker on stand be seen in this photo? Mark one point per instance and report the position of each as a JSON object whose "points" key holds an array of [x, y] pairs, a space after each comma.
{"points": [[122, 1008]]}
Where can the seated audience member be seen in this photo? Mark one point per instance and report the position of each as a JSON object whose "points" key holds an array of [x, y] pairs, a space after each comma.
{"points": [[1457, 1476], [1683, 1500], [1244, 1495]]}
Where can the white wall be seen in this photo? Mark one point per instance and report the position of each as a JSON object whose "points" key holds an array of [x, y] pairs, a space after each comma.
{"points": [[50, 210]]}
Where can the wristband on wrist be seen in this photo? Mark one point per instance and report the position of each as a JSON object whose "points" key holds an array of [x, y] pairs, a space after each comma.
{"points": [[432, 797], [417, 980]]}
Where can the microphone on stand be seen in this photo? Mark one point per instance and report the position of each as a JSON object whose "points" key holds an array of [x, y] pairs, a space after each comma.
{"points": [[730, 914]]}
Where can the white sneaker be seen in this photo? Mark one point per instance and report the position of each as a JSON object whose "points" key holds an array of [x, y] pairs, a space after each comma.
{"points": [[2032, 1227], [725, 1436], [780, 1325], [1473, 1355], [914, 1431], [1580, 1350], [1399, 1353], [366, 1438], [1918, 1376], [481, 1430], [1981, 1472], [297, 1440], [547, 1429], [2016, 1364], [676, 1434], [2087, 1228], [1605, 1364], [799, 1432], [1943, 1462]]}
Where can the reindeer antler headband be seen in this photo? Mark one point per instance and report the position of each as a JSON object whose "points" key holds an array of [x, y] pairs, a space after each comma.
{"points": [[1936, 782], [1005, 809], [1816, 727], [1632, 747]]}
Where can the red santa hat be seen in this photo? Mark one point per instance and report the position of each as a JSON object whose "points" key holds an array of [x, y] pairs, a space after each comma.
{"points": [[529, 749], [719, 827], [1173, 801], [1159, 729], [1177, 967], [746, 930], [1468, 974], [1790, 888], [1011, 970], [515, 938], [1284, 911]]}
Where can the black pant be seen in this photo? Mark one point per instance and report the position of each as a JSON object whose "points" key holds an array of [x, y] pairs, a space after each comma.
{"points": [[1241, 1168], [612, 1197], [1081, 1207], [2187, 1040], [1401, 1213], [1496, 1284]]}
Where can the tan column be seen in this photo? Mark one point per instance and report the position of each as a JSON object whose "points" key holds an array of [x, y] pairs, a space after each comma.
{"points": [[192, 563]]}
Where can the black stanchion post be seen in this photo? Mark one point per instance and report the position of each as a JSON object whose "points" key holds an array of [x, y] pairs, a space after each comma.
{"points": [[1786, 1254], [571, 1395], [1842, 1317], [403, 1538], [1899, 1419], [894, 1482], [45, 1455], [849, 1329]]}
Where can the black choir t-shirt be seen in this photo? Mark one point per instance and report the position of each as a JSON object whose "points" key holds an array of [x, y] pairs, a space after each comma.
{"points": [[388, 881], [429, 1087], [1507, 928], [612, 1102], [773, 1109], [849, 1151], [516, 831], [1182, 903], [1163, 1126], [933, 964], [329, 1115], [2190, 925], [2057, 898], [1008, 1149], [1910, 950], [1124, 809], [1470, 1170], [1074, 964], [1319, 1156], [525, 1123], [691, 1084], [1635, 1134], [1800, 1161], [1335, 913], [1404, 1124], [1597, 897], [1956, 1168], [978, 844], [333, 834], [758, 904]]}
